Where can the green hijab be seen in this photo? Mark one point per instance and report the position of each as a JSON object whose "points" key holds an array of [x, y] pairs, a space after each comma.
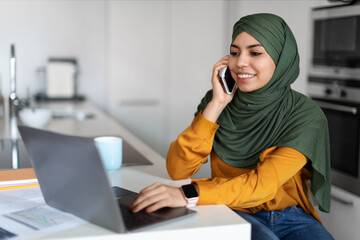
{"points": [[274, 115]]}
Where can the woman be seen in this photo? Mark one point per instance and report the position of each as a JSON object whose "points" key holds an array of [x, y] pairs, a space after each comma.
{"points": [[266, 141]]}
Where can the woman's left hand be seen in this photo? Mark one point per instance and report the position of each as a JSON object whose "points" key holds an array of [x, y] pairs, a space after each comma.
{"points": [[157, 196]]}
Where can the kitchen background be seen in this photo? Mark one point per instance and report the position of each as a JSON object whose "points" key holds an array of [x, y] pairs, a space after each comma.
{"points": [[147, 63]]}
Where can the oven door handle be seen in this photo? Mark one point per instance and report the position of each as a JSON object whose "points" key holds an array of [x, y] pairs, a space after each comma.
{"points": [[337, 107]]}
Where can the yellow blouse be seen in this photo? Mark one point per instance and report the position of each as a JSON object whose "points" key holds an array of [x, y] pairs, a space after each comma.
{"points": [[279, 180]]}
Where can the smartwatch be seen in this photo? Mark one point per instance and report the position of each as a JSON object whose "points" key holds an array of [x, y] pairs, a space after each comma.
{"points": [[191, 195]]}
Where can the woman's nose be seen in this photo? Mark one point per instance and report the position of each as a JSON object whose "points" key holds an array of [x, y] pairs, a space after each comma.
{"points": [[243, 60]]}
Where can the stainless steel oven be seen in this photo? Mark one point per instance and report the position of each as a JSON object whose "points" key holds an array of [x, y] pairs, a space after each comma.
{"points": [[334, 84], [340, 101], [336, 34]]}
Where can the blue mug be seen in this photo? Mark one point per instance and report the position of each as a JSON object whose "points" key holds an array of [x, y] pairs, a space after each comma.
{"points": [[110, 150]]}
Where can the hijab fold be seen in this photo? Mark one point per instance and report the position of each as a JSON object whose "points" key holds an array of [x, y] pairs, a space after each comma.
{"points": [[274, 115]]}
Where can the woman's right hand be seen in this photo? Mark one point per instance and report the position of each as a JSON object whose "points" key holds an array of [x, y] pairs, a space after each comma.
{"points": [[219, 95], [220, 98]]}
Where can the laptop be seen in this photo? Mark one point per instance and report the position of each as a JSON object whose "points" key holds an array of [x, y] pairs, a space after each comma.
{"points": [[73, 179]]}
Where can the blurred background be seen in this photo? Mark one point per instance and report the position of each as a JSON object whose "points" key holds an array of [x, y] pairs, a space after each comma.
{"points": [[147, 63]]}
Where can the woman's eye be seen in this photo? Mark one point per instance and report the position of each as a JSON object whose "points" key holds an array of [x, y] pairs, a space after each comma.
{"points": [[234, 53], [256, 53]]}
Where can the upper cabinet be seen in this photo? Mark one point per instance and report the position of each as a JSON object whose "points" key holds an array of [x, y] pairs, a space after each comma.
{"points": [[137, 55], [160, 57]]}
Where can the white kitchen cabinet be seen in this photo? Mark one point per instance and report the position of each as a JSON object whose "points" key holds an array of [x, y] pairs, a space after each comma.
{"points": [[343, 221], [160, 57], [137, 54]]}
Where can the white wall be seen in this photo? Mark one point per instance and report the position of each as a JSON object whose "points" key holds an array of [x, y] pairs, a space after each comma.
{"points": [[40, 29], [138, 55], [161, 56]]}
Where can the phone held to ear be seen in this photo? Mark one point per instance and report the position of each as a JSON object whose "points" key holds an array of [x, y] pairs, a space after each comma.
{"points": [[228, 82]]}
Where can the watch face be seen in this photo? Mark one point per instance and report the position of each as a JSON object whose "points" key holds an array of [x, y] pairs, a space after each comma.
{"points": [[190, 191]]}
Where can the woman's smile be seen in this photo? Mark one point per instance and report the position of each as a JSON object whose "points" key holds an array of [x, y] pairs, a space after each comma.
{"points": [[249, 63], [244, 77]]}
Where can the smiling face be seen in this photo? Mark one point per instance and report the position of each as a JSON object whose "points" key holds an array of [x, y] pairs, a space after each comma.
{"points": [[250, 65]]}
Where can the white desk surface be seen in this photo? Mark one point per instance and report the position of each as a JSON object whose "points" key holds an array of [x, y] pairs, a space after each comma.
{"points": [[210, 222]]}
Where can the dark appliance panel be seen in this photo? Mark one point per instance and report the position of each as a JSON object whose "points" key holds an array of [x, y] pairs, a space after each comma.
{"points": [[336, 42], [336, 35], [340, 101]]}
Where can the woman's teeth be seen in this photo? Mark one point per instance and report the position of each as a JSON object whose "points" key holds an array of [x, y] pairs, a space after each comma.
{"points": [[245, 75]]}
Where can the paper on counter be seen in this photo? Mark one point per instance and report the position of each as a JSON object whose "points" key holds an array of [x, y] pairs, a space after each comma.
{"points": [[37, 221], [19, 199], [24, 214]]}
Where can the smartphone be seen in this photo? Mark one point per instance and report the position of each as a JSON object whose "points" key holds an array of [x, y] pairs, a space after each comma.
{"points": [[228, 82]]}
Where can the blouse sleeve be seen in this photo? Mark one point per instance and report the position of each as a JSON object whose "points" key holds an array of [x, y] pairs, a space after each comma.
{"points": [[277, 165], [190, 150]]}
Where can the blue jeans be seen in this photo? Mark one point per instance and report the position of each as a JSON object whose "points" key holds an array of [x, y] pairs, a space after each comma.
{"points": [[291, 223]]}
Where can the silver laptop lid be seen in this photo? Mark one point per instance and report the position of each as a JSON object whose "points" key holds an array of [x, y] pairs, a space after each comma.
{"points": [[72, 177]]}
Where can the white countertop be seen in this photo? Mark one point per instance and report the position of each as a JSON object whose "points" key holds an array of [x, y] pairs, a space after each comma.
{"points": [[211, 222]]}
